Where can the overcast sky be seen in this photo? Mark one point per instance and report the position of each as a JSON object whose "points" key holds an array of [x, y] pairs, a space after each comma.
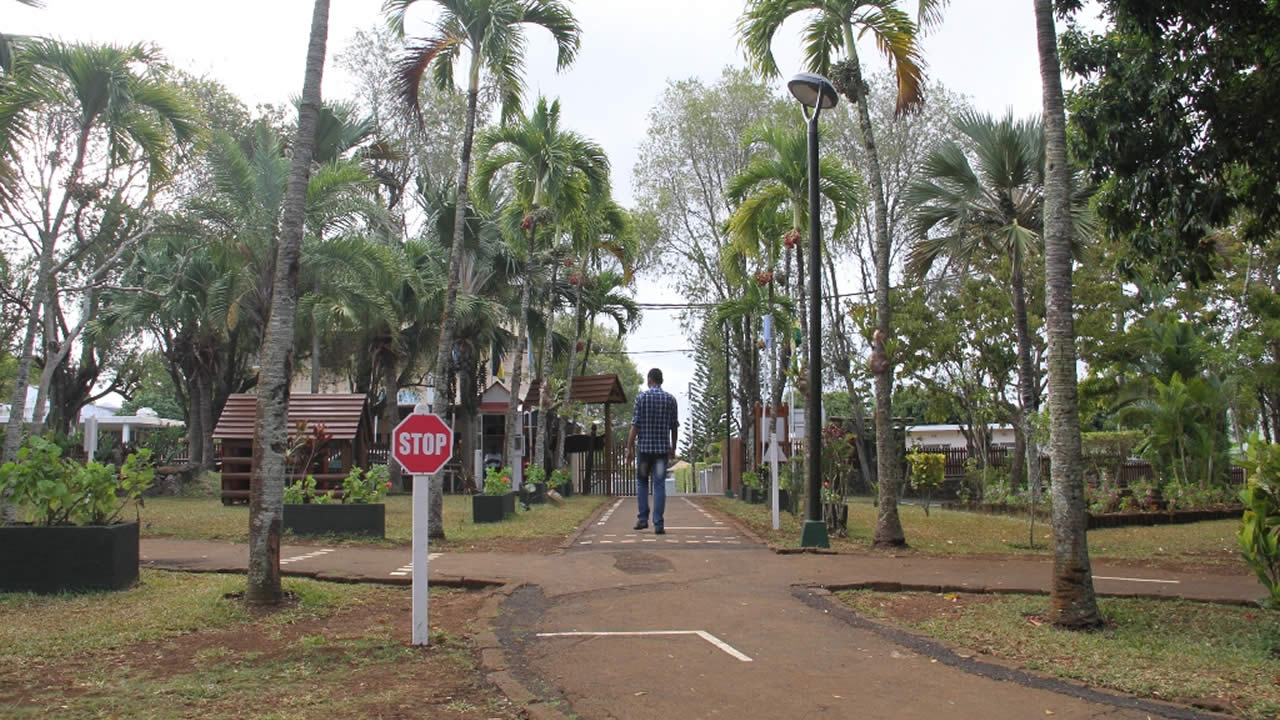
{"points": [[985, 49]]}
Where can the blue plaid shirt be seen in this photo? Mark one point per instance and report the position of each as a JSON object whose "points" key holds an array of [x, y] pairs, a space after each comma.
{"points": [[656, 414]]}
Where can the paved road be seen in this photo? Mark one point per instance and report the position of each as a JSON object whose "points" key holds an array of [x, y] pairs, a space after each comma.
{"points": [[704, 622]]}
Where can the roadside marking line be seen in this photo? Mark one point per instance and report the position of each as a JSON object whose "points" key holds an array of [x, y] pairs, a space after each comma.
{"points": [[606, 542], [695, 527], [649, 540], [405, 570], [584, 542], [307, 556], [609, 513], [1146, 580], [722, 645]]}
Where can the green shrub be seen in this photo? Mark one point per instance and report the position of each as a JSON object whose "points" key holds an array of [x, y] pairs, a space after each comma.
{"points": [[560, 477], [534, 474], [1260, 525], [497, 481], [927, 470], [61, 492], [366, 486], [751, 479]]}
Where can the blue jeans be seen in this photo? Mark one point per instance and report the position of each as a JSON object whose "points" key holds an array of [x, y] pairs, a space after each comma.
{"points": [[651, 465]]}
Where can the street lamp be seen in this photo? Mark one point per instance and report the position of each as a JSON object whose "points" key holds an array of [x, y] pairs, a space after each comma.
{"points": [[815, 94]]}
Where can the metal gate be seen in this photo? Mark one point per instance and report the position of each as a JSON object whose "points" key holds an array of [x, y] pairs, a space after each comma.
{"points": [[598, 472]]}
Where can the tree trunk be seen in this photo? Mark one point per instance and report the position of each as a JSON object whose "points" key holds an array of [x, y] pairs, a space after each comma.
{"points": [[888, 525], [270, 442], [391, 411], [1072, 603], [569, 374], [513, 425], [842, 365], [315, 349], [539, 457]]}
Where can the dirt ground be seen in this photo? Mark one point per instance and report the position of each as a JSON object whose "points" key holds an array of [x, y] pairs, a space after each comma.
{"points": [[354, 664]]}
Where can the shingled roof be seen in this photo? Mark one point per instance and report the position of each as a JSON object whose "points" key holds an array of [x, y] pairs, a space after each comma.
{"points": [[587, 389], [339, 413]]}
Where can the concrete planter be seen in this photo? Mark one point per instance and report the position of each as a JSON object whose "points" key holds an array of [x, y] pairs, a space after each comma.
{"points": [[492, 508], [68, 558], [332, 518]]}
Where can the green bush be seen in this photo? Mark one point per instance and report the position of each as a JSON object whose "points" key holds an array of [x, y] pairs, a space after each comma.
{"points": [[61, 491], [366, 486], [534, 474], [1260, 525], [560, 477], [497, 481], [927, 470]]}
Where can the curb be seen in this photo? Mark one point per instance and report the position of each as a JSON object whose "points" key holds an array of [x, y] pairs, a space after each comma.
{"points": [[453, 581], [493, 661], [890, 586]]}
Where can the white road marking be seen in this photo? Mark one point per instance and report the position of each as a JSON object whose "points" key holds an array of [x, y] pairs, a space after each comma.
{"points": [[693, 527], [726, 647], [1145, 580], [609, 513], [406, 570], [584, 542], [296, 558]]}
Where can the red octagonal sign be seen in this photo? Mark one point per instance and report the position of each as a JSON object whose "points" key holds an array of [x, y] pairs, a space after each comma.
{"points": [[422, 443]]}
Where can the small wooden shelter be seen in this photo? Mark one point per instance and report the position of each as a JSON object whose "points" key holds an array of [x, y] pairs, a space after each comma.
{"points": [[338, 431], [592, 389]]}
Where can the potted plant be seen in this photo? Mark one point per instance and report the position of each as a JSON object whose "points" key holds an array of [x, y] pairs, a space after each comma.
{"points": [[752, 491], [76, 540], [358, 508], [497, 499], [535, 486], [561, 481]]}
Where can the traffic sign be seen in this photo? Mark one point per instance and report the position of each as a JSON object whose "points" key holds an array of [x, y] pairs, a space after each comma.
{"points": [[422, 443]]}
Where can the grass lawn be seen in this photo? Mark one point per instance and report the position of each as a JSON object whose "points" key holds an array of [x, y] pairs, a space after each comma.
{"points": [[176, 646], [1217, 657], [946, 532], [208, 518]]}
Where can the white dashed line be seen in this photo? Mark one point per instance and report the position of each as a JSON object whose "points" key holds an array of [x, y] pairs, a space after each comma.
{"points": [[297, 558], [609, 513], [406, 570]]}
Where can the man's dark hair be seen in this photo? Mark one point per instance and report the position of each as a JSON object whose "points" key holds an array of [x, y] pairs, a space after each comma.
{"points": [[655, 376]]}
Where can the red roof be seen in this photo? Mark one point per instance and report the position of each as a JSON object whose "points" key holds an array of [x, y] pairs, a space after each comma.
{"points": [[341, 414]]}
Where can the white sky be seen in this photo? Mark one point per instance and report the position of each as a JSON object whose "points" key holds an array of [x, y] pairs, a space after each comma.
{"points": [[985, 49]]}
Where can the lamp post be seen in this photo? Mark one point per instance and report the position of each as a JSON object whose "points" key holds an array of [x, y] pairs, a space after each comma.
{"points": [[815, 94]]}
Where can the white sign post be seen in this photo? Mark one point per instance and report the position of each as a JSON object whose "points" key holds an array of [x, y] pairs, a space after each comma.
{"points": [[422, 443]]}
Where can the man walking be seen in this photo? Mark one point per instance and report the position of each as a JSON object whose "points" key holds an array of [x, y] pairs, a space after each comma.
{"points": [[652, 443]]}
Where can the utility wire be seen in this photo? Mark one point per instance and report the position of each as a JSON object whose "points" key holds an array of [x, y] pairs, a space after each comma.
{"points": [[859, 293]]}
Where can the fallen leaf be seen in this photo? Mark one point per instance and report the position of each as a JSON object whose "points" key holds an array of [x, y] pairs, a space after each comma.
{"points": [[642, 692]]}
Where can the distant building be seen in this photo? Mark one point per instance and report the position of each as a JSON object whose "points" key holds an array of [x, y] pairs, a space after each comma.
{"points": [[953, 436]]}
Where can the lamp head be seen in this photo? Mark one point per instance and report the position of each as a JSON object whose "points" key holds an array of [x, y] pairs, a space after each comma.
{"points": [[813, 90]]}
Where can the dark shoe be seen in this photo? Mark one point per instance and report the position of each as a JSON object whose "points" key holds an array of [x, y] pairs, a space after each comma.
{"points": [[659, 531], [641, 526]]}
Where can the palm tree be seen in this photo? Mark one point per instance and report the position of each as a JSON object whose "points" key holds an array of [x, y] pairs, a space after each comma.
{"points": [[603, 228], [830, 31], [270, 437], [993, 209], [116, 97], [492, 32], [554, 173], [1072, 602], [774, 189]]}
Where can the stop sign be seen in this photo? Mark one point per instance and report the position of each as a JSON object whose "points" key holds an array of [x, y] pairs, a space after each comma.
{"points": [[422, 444]]}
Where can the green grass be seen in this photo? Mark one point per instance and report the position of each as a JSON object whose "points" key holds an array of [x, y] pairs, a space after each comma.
{"points": [[174, 646], [947, 532], [209, 519], [1170, 650], [163, 604]]}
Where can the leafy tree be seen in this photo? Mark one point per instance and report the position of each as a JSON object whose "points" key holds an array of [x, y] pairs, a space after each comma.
{"points": [[991, 209], [829, 33], [1200, 77], [553, 174], [1072, 601], [105, 126]]}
